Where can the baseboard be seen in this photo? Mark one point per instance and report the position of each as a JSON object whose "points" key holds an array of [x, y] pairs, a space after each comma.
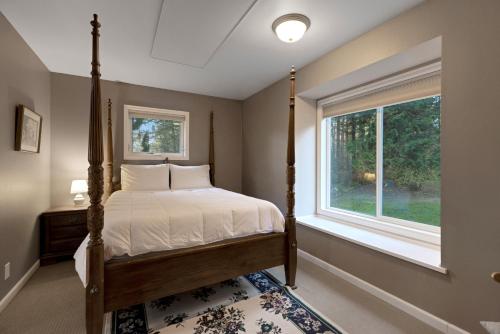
{"points": [[424, 316], [19, 285]]}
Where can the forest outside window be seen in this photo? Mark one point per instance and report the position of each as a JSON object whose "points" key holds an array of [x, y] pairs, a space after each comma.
{"points": [[155, 134], [380, 158]]}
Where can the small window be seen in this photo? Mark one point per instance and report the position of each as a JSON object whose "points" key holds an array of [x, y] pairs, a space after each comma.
{"points": [[156, 134], [380, 155]]}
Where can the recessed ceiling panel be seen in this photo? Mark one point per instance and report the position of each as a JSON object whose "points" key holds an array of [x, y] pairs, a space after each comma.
{"points": [[189, 32]]}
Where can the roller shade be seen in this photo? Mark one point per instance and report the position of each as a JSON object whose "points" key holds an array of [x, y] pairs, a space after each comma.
{"points": [[409, 90], [149, 115]]}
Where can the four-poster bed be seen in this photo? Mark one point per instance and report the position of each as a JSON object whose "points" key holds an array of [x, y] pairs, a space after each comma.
{"points": [[130, 280]]}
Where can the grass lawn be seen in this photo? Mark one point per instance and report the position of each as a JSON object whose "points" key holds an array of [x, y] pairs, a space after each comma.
{"points": [[419, 208]]}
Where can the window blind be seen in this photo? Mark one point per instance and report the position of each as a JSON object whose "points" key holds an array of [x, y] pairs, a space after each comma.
{"points": [[404, 91], [149, 115]]}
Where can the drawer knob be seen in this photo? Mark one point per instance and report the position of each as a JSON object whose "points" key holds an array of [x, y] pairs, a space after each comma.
{"points": [[94, 290], [496, 277]]}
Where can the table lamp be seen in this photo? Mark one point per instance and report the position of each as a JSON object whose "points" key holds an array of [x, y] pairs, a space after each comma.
{"points": [[78, 188]]}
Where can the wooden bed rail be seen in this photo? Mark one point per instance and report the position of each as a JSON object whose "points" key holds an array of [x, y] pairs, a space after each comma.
{"points": [[95, 215]]}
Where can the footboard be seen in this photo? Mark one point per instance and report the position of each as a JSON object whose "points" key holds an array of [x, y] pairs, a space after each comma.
{"points": [[137, 279]]}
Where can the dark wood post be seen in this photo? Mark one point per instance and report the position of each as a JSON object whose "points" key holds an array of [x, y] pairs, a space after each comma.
{"points": [[211, 150], [109, 165], [95, 215], [291, 263]]}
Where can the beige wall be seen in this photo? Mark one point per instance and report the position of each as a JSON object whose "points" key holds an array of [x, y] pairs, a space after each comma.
{"points": [[70, 117], [24, 177], [470, 157], [265, 130], [265, 126]]}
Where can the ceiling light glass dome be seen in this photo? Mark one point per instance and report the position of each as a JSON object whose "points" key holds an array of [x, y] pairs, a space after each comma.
{"points": [[291, 27]]}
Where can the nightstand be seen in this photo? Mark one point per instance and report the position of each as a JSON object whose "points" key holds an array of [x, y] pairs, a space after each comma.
{"points": [[62, 230]]}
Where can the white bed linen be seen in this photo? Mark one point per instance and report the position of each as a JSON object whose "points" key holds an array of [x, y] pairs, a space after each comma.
{"points": [[138, 222]]}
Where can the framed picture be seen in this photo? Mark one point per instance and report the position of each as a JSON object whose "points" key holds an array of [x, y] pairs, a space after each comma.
{"points": [[28, 130]]}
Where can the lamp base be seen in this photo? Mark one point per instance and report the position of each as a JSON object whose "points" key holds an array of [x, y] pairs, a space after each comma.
{"points": [[79, 200]]}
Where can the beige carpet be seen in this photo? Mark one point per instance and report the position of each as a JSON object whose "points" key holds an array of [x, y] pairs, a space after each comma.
{"points": [[53, 302], [353, 309]]}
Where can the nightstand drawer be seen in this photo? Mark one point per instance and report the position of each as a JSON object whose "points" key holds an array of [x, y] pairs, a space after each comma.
{"points": [[67, 219], [63, 231], [65, 245]]}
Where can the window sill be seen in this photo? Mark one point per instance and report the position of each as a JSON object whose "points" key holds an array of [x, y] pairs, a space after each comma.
{"points": [[419, 253]]}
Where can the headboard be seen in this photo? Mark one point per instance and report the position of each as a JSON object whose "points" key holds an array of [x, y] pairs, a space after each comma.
{"points": [[112, 186]]}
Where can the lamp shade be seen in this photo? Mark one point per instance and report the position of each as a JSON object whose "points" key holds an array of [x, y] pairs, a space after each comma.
{"points": [[79, 186]]}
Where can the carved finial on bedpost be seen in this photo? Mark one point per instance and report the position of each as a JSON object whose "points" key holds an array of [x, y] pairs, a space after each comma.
{"points": [[291, 264], [95, 213], [211, 150], [95, 47], [109, 165]]}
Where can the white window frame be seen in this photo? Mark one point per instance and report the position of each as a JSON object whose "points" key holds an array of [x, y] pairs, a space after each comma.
{"points": [[408, 229], [154, 112]]}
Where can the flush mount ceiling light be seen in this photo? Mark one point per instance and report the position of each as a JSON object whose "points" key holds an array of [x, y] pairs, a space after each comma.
{"points": [[291, 27]]}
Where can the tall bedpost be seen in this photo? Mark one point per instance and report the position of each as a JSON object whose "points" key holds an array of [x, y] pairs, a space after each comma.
{"points": [[291, 263], [211, 151], [109, 166], [95, 214]]}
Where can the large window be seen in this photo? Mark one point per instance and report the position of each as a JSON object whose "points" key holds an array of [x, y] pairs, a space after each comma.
{"points": [[352, 148], [155, 134], [411, 161], [380, 157]]}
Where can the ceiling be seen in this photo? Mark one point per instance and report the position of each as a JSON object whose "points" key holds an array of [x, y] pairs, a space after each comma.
{"points": [[222, 48]]}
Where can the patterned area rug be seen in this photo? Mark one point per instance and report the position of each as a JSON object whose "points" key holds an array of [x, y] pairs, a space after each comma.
{"points": [[255, 303]]}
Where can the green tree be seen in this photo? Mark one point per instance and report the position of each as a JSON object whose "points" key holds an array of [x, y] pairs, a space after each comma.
{"points": [[167, 136], [412, 143], [145, 142], [156, 135]]}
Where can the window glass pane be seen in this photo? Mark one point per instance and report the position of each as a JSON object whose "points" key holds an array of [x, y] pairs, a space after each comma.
{"points": [[412, 166], [156, 135], [352, 162]]}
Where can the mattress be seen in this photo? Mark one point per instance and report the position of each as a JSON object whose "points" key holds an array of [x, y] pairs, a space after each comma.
{"points": [[139, 222]]}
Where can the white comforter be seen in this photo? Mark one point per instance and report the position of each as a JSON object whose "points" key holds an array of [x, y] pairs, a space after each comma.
{"points": [[138, 222]]}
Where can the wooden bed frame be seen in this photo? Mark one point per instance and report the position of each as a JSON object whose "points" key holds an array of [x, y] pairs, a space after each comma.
{"points": [[132, 280]]}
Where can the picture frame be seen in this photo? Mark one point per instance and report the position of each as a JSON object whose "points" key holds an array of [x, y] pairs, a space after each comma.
{"points": [[28, 130]]}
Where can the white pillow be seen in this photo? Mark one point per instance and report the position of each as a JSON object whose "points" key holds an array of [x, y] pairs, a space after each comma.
{"points": [[145, 177], [190, 177]]}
